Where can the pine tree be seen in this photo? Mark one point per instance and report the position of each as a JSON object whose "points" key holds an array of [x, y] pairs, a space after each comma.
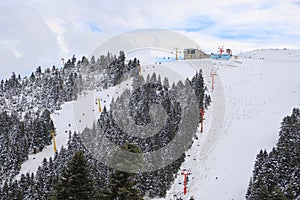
{"points": [[249, 190], [123, 184], [197, 84], [153, 78], [159, 79], [277, 195], [76, 182], [137, 81], [276, 175]]}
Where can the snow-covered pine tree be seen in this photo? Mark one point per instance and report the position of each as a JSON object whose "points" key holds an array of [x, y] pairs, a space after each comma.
{"points": [[76, 181], [122, 184], [276, 175]]}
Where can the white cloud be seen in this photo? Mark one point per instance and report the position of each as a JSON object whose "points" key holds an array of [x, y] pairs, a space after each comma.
{"points": [[25, 40], [57, 26], [241, 24], [10, 45], [17, 53]]}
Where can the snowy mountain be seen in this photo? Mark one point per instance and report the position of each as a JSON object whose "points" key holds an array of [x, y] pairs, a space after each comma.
{"points": [[260, 87], [252, 93]]}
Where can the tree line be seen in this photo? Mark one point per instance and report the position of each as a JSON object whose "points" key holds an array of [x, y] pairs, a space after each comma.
{"points": [[276, 175]]}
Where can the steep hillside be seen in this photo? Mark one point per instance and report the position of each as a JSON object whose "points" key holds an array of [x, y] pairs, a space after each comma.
{"points": [[251, 95], [261, 87]]}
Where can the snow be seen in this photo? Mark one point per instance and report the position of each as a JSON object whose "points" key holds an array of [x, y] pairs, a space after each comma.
{"points": [[252, 94], [274, 54], [73, 116], [61, 120], [86, 108], [149, 58], [258, 94], [212, 135]]}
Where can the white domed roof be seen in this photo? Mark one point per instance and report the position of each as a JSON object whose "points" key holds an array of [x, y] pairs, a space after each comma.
{"points": [[145, 38]]}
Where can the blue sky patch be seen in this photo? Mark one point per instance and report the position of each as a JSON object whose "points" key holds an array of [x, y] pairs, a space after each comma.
{"points": [[94, 27], [296, 3], [196, 24], [244, 34], [266, 6]]}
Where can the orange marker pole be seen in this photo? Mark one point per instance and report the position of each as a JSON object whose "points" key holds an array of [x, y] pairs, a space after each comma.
{"points": [[185, 174], [184, 189]]}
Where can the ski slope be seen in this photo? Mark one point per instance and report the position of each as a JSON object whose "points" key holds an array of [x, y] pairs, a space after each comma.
{"points": [[261, 87], [61, 119], [252, 94], [73, 116], [76, 115]]}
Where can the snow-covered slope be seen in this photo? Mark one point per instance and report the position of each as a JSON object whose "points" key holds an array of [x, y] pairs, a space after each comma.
{"points": [[252, 94], [274, 54], [64, 122], [73, 116], [258, 94]]}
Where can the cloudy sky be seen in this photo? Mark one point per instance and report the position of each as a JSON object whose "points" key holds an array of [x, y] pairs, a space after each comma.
{"points": [[41, 32]]}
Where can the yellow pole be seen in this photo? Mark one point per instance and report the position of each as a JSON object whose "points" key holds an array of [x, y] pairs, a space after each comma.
{"points": [[54, 142], [99, 105]]}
